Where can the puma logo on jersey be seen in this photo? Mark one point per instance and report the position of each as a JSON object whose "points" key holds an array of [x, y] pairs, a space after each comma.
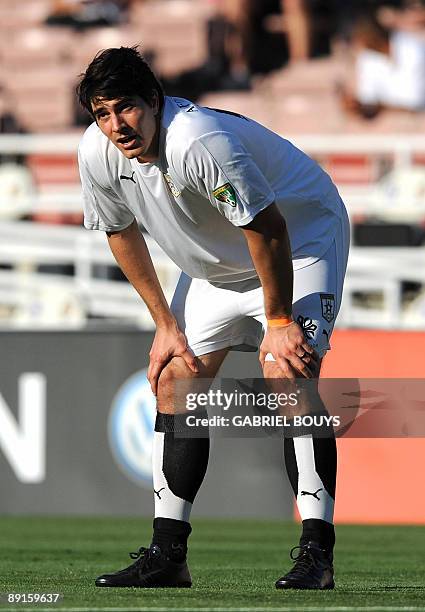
{"points": [[123, 177]]}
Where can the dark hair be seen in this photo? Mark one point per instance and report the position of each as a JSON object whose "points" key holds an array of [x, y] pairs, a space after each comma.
{"points": [[115, 73]]}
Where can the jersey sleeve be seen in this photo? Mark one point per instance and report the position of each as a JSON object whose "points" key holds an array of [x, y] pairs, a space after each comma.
{"points": [[103, 209], [220, 168]]}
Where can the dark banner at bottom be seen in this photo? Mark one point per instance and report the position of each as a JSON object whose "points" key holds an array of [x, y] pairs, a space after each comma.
{"points": [[341, 407]]}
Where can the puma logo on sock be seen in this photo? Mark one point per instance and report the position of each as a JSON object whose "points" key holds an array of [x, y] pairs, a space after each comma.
{"points": [[312, 494], [159, 491]]}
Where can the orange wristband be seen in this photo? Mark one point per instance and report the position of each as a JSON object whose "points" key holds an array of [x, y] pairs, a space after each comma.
{"points": [[281, 322]]}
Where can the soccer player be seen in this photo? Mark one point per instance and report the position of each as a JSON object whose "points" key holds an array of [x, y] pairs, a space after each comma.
{"points": [[261, 236]]}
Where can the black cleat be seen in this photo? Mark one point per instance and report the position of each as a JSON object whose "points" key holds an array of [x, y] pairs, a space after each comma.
{"points": [[152, 569], [313, 569]]}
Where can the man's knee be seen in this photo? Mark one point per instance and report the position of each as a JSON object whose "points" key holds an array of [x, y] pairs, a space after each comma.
{"points": [[175, 380], [272, 370], [175, 370], [291, 382]]}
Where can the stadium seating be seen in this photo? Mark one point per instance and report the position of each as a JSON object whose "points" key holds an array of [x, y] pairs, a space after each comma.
{"points": [[42, 63]]}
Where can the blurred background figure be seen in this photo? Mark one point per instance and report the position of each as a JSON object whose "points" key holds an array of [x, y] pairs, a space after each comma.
{"points": [[409, 16], [16, 181], [389, 51], [239, 46], [82, 14], [308, 25], [311, 26], [9, 124]]}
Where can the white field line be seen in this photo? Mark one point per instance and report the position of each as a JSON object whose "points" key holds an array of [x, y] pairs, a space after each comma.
{"points": [[204, 609]]}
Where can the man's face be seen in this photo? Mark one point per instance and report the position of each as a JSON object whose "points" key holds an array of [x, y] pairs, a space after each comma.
{"points": [[130, 123]]}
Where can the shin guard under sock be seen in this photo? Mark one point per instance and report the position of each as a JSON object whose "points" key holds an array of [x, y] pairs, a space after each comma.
{"points": [[311, 462], [179, 466]]}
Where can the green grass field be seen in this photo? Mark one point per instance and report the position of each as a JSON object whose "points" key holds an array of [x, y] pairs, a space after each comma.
{"points": [[234, 565]]}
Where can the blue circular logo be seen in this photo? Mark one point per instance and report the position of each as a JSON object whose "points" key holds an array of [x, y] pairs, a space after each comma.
{"points": [[131, 428]]}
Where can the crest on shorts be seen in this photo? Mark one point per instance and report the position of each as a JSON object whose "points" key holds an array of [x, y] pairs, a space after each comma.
{"points": [[225, 194], [328, 306], [171, 184]]}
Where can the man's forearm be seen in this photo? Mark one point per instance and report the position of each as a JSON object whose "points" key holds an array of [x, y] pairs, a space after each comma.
{"points": [[268, 243], [132, 255]]}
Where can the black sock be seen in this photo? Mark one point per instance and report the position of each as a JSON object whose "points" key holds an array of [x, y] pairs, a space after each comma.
{"points": [[171, 537], [321, 532], [179, 465]]}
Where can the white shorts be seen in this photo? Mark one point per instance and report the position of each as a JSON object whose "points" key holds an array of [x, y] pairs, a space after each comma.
{"points": [[232, 315]]}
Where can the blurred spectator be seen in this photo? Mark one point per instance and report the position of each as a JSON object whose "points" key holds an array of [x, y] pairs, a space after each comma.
{"points": [[16, 182], [80, 116], [410, 18], [63, 12], [311, 25], [239, 45], [82, 14], [16, 189], [390, 69], [262, 49], [9, 124], [297, 24]]}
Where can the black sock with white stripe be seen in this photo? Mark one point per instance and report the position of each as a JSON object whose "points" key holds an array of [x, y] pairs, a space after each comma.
{"points": [[179, 467]]}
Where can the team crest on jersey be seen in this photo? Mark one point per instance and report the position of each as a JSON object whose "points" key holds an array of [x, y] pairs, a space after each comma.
{"points": [[328, 306], [171, 184], [225, 194]]}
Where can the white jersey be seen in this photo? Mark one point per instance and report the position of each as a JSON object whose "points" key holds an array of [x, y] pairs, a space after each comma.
{"points": [[216, 171]]}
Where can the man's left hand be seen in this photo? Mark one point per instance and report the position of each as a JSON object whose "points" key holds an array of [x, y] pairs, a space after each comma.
{"points": [[290, 349]]}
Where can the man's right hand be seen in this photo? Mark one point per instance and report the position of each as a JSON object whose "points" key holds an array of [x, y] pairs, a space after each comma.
{"points": [[169, 342]]}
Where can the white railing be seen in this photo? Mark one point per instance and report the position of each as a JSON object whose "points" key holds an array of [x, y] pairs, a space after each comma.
{"points": [[39, 298], [26, 246], [403, 145], [26, 144], [360, 199], [381, 272], [25, 291]]}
